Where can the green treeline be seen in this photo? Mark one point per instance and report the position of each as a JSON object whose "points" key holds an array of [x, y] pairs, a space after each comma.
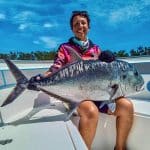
{"points": [[140, 51], [38, 55], [44, 55]]}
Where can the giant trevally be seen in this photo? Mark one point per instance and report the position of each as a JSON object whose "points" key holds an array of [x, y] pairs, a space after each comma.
{"points": [[82, 80]]}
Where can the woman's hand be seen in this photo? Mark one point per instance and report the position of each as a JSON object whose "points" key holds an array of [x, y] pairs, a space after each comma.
{"points": [[107, 56], [38, 77]]}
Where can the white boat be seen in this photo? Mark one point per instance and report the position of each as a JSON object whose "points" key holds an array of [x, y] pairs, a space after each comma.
{"points": [[36, 121]]}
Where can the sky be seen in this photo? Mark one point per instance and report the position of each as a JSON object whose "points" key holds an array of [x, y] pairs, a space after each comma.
{"points": [[31, 25]]}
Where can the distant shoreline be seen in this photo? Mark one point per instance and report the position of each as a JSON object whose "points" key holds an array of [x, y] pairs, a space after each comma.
{"points": [[29, 61], [46, 61]]}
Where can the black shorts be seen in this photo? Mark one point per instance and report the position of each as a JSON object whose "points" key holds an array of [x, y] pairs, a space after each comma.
{"points": [[104, 107]]}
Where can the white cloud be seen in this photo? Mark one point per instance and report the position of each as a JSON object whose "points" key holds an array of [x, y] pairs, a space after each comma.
{"points": [[22, 26], [146, 2], [49, 25], [24, 16], [36, 42], [2, 17], [49, 42], [118, 12], [29, 26], [124, 14]]}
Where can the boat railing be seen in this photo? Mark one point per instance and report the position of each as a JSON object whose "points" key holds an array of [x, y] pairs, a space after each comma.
{"points": [[7, 79]]}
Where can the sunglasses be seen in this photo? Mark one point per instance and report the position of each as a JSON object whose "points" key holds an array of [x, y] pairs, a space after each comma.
{"points": [[79, 12]]}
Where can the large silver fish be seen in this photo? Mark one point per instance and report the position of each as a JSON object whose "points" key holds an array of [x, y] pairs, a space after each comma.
{"points": [[82, 80]]}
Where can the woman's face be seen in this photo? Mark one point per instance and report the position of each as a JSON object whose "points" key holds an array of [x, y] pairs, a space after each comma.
{"points": [[80, 27]]}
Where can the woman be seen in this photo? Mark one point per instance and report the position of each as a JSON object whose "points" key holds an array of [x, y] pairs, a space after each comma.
{"points": [[89, 110]]}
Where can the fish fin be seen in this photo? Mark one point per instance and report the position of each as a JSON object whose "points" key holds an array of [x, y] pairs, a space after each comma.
{"points": [[72, 108], [19, 76], [113, 90], [52, 94], [13, 95], [74, 55], [116, 92], [72, 104], [20, 79]]}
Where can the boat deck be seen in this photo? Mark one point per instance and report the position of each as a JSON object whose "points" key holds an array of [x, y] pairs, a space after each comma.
{"points": [[36, 121]]}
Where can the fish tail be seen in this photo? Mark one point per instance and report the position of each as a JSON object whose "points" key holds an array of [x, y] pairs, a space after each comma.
{"points": [[21, 80]]}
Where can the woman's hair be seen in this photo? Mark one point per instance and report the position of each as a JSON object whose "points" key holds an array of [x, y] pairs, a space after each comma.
{"points": [[79, 13]]}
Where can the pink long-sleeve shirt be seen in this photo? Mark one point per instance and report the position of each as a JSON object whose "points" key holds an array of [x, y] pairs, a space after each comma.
{"points": [[63, 56]]}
